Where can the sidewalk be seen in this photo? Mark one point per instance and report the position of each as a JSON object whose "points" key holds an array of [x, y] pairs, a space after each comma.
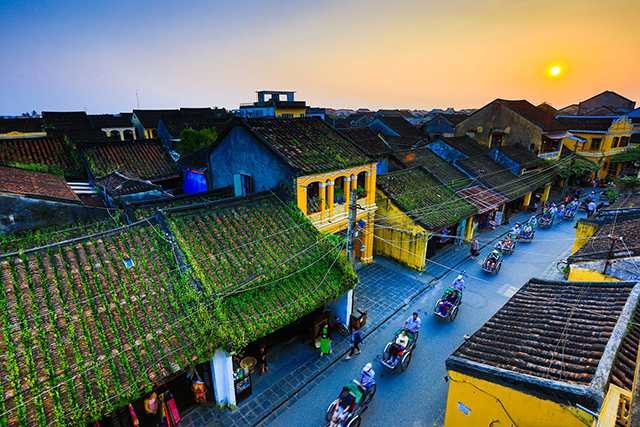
{"points": [[383, 284]]}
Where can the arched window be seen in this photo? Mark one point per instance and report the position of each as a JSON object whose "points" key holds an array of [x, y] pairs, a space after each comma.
{"points": [[114, 134], [313, 198], [361, 185], [128, 134], [338, 191]]}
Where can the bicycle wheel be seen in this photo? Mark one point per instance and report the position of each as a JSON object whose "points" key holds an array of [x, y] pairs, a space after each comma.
{"points": [[561, 265]]}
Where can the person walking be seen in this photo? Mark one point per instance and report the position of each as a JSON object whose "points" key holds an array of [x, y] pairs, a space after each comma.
{"points": [[356, 340], [591, 208], [262, 359], [325, 340], [560, 212], [475, 247]]}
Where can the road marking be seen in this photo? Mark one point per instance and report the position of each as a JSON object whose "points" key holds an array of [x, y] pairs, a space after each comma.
{"points": [[511, 291]]}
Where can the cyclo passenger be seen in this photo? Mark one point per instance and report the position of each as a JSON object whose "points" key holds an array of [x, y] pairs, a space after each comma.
{"points": [[494, 256], [345, 405], [499, 245], [401, 342]]}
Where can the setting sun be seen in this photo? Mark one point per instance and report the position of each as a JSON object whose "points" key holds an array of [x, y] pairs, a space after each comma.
{"points": [[555, 70]]}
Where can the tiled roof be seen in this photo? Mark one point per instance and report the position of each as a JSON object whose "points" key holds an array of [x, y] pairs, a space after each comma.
{"points": [[117, 184], [28, 182], [307, 143], [551, 336], [599, 245], [624, 367], [56, 234], [147, 208], [26, 125], [368, 141], [626, 202], [522, 156], [110, 121], [425, 199], [66, 119], [266, 260], [465, 145], [445, 172], [53, 153], [196, 160], [144, 159], [453, 118], [587, 123], [213, 115], [83, 334], [483, 198], [402, 142], [535, 115], [403, 127], [150, 118], [496, 177], [81, 136]]}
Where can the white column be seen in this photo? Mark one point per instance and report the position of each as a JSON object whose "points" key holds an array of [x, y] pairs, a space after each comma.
{"points": [[342, 307], [222, 373]]}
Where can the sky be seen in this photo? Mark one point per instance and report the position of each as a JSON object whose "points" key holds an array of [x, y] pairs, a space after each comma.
{"points": [[110, 57]]}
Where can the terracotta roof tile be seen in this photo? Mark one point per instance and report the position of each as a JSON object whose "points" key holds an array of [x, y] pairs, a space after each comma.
{"points": [[587, 124], [308, 143], [117, 184], [52, 153], [496, 177], [535, 115], [403, 127], [445, 172], [143, 158], [28, 182], [238, 248], [534, 334], [599, 245], [80, 327], [147, 208], [424, 198], [368, 141], [465, 145], [483, 198], [522, 156]]}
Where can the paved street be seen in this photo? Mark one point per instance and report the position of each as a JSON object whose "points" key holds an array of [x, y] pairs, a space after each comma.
{"points": [[390, 293]]}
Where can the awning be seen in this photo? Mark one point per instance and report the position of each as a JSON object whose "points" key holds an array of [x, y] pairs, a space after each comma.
{"points": [[559, 135], [482, 198]]}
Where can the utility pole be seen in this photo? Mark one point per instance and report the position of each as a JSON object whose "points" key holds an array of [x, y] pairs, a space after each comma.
{"points": [[613, 241], [353, 210]]}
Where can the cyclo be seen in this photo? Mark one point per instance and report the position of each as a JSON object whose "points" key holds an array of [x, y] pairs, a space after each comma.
{"points": [[350, 404], [402, 356]]}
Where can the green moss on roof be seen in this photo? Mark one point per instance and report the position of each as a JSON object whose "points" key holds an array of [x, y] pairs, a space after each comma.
{"points": [[308, 144], [262, 261], [445, 172], [424, 199]]}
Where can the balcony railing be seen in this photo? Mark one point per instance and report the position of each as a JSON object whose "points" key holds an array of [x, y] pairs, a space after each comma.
{"points": [[615, 408]]}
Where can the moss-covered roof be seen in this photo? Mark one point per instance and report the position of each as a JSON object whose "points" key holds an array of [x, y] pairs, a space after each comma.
{"points": [[496, 177], [445, 172], [262, 261], [425, 199], [308, 143], [143, 159], [88, 326]]}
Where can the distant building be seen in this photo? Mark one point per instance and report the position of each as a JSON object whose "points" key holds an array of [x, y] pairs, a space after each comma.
{"points": [[274, 106], [610, 100]]}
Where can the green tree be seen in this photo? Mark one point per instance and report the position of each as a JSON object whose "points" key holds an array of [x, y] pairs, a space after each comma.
{"points": [[191, 140], [580, 168]]}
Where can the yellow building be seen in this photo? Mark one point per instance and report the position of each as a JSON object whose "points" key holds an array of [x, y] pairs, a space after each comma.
{"points": [[417, 215], [316, 163], [600, 138], [22, 128], [274, 105], [511, 372]]}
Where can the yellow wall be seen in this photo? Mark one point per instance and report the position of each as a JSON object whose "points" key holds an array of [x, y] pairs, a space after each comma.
{"points": [[16, 134], [401, 239], [485, 401], [583, 232], [333, 218], [297, 112], [609, 412], [584, 275]]}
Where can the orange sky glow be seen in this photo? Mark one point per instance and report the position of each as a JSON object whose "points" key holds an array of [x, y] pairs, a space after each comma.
{"points": [[342, 54]]}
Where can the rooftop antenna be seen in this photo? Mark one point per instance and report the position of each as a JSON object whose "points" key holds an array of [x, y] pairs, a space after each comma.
{"points": [[137, 98]]}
